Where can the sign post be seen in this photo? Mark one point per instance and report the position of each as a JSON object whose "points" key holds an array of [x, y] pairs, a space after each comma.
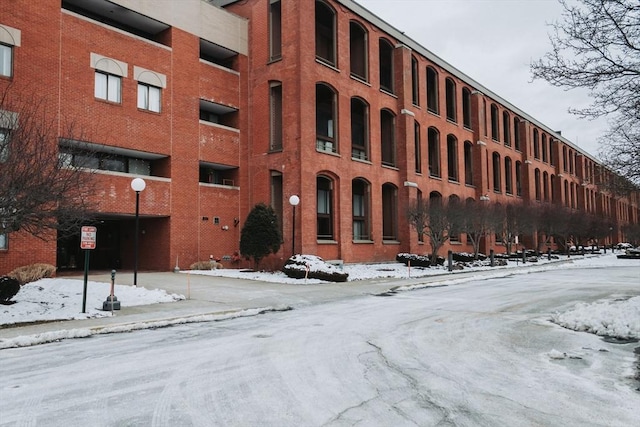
{"points": [[87, 243]]}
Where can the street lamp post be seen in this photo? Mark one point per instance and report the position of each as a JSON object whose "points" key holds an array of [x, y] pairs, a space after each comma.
{"points": [[294, 201], [137, 185]]}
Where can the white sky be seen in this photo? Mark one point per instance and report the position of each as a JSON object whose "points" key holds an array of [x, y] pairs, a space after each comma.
{"points": [[494, 42]]}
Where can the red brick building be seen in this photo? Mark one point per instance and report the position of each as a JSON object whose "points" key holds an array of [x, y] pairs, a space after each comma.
{"points": [[220, 105]]}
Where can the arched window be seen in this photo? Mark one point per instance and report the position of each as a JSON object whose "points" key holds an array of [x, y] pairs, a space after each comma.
{"points": [[454, 205], [508, 176], [359, 129], [325, 33], [417, 147], [326, 125], [497, 184], [452, 158], [432, 90], [450, 88], [566, 193], [545, 186], [545, 148], [358, 51], [537, 183], [275, 30], [275, 116], [495, 127], [506, 128], [388, 137], [516, 133], [324, 218], [468, 163], [389, 212], [386, 65], [361, 208], [415, 85], [518, 178], [536, 144], [466, 108], [433, 137]]}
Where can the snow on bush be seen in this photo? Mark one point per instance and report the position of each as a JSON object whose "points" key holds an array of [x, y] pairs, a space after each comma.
{"points": [[619, 319], [313, 267]]}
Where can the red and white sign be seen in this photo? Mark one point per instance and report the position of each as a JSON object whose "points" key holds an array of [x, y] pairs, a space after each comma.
{"points": [[88, 237]]}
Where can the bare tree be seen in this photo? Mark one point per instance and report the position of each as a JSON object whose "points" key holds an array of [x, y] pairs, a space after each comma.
{"points": [[549, 221], [38, 193], [431, 217], [511, 221], [474, 221], [596, 45]]}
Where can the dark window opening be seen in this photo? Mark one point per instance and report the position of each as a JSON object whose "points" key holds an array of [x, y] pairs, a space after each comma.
{"points": [[466, 108], [275, 29], [325, 33], [219, 114], [275, 116], [432, 90], [450, 88], [386, 65], [388, 138], [452, 158], [324, 208], [358, 51], [433, 142], [359, 129], [326, 119]]}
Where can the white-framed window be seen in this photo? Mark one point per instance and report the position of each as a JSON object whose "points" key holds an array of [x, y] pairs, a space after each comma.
{"points": [[108, 87], [148, 97], [4, 242], [6, 60], [4, 145]]}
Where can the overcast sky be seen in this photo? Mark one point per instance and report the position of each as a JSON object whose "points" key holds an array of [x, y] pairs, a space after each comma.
{"points": [[493, 42]]}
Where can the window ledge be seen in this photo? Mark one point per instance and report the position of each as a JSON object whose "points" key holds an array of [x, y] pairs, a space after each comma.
{"points": [[366, 162], [331, 153], [359, 79], [386, 92], [363, 242], [327, 64], [327, 242], [390, 242], [392, 167]]}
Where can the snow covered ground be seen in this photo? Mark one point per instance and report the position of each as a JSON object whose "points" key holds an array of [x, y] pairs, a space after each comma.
{"points": [[49, 299]]}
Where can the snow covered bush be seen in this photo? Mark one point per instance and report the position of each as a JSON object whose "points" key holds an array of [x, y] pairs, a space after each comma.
{"points": [[417, 260], [467, 257], [9, 287], [313, 267]]}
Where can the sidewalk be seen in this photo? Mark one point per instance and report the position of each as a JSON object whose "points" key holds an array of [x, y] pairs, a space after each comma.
{"points": [[208, 295]]}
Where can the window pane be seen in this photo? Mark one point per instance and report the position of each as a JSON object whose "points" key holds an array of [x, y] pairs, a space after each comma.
{"points": [[154, 99], [101, 86], [113, 88], [4, 241], [5, 60], [139, 167], [143, 93]]}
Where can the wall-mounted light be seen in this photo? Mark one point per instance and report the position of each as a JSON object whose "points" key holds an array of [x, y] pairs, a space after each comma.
{"points": [[236, 221], [225, 227]]}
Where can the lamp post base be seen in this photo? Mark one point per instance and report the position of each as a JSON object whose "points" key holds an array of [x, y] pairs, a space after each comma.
{"points": [[111, 304]]}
